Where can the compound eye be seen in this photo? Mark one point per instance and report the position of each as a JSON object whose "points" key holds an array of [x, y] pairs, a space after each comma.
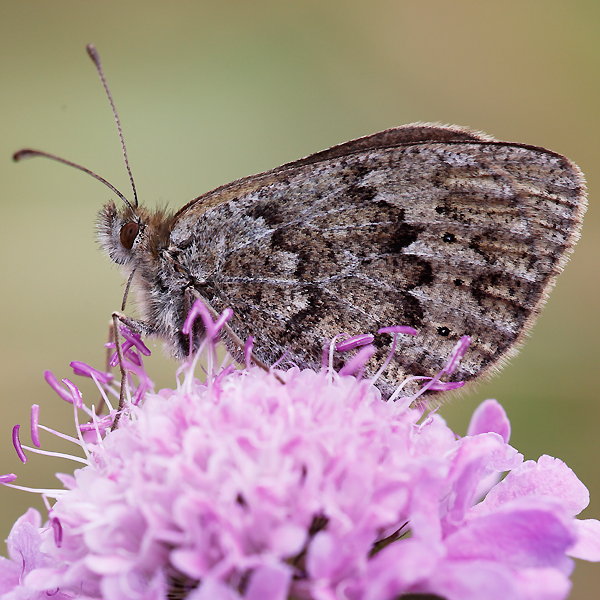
{"points": [[129, 232]]}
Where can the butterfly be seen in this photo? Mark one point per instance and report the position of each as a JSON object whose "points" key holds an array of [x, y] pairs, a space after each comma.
{"points": [[439, 228]]}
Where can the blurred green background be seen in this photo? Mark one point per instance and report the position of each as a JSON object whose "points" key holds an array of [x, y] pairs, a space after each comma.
{"points": [[211, 91]]}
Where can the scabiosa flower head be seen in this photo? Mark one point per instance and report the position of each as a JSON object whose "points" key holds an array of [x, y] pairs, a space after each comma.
{"points": [[244, 487]]}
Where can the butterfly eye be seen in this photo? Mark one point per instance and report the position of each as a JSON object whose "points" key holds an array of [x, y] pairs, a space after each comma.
{"points": [[128, 234]]}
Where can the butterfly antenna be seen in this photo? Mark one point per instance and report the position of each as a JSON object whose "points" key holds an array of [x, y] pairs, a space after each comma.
{"points": [[91, 50], [29, 153]]}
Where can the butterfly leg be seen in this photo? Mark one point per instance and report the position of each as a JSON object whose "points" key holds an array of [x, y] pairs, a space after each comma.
{"points": [[115, 317], [138, 327]]}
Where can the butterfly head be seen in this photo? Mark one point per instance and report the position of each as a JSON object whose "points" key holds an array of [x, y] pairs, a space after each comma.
{"points": [[121, 233], [129, 233]]}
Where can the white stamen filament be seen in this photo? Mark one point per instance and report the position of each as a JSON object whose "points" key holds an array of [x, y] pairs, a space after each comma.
{"points": [[46, 492], [56, 454], [399, 388], [64, 436]]}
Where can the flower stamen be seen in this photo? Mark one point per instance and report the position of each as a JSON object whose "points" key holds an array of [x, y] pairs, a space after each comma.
{"points": [[35, 422], [17, 444]]}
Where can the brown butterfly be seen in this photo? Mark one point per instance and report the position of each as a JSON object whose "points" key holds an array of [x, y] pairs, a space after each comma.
{"points": [[440, 228]]}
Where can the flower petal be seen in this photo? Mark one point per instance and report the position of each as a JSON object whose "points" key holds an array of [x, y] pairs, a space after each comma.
{"points": [[489, 417], [587, 546], [525, 533], [400, 566], [269, 582], [548, 477], [212, 589]]}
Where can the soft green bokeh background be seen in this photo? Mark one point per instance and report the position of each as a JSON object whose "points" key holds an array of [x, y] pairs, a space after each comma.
{"points": [[212, 91]]}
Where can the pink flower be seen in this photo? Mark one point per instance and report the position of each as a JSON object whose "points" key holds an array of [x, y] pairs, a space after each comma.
{"points": [[241, 487]]}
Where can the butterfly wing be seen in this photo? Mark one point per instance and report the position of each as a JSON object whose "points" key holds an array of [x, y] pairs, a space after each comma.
{"points": [[439, 228]]}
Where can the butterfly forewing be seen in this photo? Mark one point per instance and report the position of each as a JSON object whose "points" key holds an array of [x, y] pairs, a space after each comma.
{"points": [[452, 236]]}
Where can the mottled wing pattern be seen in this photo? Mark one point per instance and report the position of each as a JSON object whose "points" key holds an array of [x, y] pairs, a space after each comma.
{"points": [[460, 236]]}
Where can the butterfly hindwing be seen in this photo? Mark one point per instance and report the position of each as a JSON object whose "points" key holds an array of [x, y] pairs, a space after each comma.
{"points": [[450, 236]]}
